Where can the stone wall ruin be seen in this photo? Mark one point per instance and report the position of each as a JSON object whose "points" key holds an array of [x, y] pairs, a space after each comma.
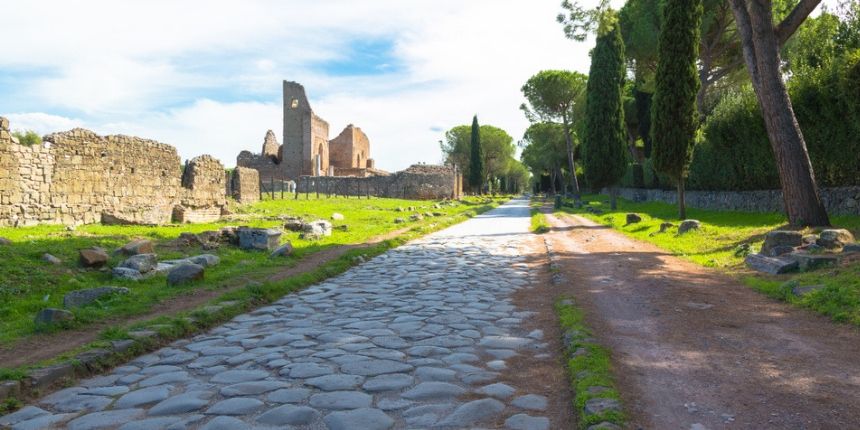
{"points": [[418, 182], [79, 177]]}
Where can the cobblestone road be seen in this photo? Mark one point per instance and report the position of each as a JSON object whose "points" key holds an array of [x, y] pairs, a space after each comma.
{"points": [[415, 338]]}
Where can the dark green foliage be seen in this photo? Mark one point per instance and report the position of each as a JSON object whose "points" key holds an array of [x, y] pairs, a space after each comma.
{"points": [[604, 145], [476, 159], [643, 111], [674, 105], [28, 138]]}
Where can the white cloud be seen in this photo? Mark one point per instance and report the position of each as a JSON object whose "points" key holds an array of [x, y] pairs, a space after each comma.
{"points": [[42, 123]]}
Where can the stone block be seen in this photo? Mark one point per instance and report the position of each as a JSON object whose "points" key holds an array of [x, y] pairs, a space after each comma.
{"points": [[771, 265], [185, 273], [93, 257], [39, 379], [688, 225], [135, 247], [854, 247], [780, 238], [260, 239], [48, 258], [143, 263], [633, 218], [283, 251], [807, 261], [51, 316], [835, 238], [801, 291]]}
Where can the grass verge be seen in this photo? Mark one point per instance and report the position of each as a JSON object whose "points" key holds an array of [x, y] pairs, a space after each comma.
{"points": [[723, 241], [590, 370]]}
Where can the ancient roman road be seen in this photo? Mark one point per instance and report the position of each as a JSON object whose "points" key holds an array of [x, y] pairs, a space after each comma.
{"points": [[419, 337]]}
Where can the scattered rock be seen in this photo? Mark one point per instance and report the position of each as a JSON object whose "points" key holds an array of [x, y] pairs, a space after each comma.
{"points": [[806, 261], [185, 273], [835, 238], [205, 260], [776, 251], [316, 229], [337, 217], [143, 263], [80, 298], [4, 241], [472, 412], [51, 316], [416, 217], [48, 258], [772, 265], [127, 274], [261, 239], [810, 239], [362, 418], [283, 250], [93, 257], [780, 239], [854, 247], [527, 422], [135, 247], [801, 291], [399, 220], [633, 218], [598, 405], [665, 226], [689, 224], [294, 224]]}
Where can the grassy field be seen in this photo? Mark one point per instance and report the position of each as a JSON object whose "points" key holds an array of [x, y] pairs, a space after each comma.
{"points": [[29, 284], [719, 244]]}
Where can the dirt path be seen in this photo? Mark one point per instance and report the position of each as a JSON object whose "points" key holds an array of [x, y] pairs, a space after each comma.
{"points": [[693, 346], [43, 347]]}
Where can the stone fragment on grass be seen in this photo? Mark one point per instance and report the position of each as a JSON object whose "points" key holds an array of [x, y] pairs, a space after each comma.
{"points": [[185, 273], [48, 258], [143, 263], [399, 220], [283, 251], [599, 405], [780, 250], [51, 316], [416, 217], [135, 247], [80, 298], [205, 260], [4, 241], [316, 229], [260, 239], [835, 238], [93, 257], [127, 274], [633, 218], [779, 239], [806, 261], [771, 265], [294, 224], [801, 291], [337, 217], [689, 224], [665, 226]]}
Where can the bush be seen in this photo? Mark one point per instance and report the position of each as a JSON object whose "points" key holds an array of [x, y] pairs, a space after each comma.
{"points": [[736, 154], [28, 137]]}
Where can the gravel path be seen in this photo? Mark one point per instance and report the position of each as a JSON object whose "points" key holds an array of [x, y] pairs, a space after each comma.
{"points": [[415, 338]]}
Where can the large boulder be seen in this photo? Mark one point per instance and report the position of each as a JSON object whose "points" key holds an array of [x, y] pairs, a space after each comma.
{"points": [[135, 247], [689, 224], [185, 273], [777, 239], [80, 298], [93, 257], [771, 265], [51, 316], [835, 238], [260, 239], [143, 263]]}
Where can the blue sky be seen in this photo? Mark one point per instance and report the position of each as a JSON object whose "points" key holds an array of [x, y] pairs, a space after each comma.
{"points": [[205, 76]]}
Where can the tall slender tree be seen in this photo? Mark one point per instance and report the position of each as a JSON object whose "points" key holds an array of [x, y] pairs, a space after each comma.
{"points": [[603, 148], [476, 159], [675, 118], [761, 41]]}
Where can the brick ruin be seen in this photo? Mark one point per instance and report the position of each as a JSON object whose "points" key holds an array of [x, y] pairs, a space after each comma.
{"points": [[307, 155], [79, 177]]}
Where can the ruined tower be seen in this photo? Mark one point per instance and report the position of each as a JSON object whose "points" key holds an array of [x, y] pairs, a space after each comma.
{"points": [[305, 149]]}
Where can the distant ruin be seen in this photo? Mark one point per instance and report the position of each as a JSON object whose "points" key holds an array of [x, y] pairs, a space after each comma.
{"points": [[79, 177]]}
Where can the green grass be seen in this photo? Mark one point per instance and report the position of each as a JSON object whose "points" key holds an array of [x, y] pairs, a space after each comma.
{"points": [[719, 244], [28, 284], [539, 224], [588, 364]]}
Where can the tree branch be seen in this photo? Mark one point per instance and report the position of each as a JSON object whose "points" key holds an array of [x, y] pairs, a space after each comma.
{"points": [[792, 22]]}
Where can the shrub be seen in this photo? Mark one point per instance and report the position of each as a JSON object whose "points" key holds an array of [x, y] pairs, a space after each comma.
{"points": [[28, 137]]}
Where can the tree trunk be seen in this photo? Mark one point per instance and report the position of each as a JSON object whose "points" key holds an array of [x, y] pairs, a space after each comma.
{"points": [[552, 182], [682, 203], [760, 43], [613, 197], [573, 182]]}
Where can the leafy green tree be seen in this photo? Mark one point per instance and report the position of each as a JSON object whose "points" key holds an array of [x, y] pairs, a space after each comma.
{"points": [[28, 137], [544, 151], [497, 150], [554, 95], [674, 110], [476, 158], [603, 147]]}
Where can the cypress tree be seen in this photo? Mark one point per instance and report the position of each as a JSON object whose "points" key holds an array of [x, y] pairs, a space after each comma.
{"points": [[675, 118], [476, 159], [603, 149]]}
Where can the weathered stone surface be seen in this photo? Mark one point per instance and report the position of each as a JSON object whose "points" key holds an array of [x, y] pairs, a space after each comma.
{"points": [[633, 218], [341, 400], [316, 229], [80, 298], [50, 316], [127, 274], [835, 238], [375, 367], [688, 225], [600, 405], [771, 265], [665, 226], [853, 247], [205, 260], [807, 261], [259, 239], [434, 390], [801, 291], [23, 414], [141, 262], [180, 404], [235, 406], [527, 422], [283, 251], [139, 246], [289, 415], [363, 418], [498, 390], [185, 273], [93, 257], [337, 216], [143, 396], [473, 412], [780, 238], [48, 258], [609, 426], [779, 250], [531, 402], [225, 423]]}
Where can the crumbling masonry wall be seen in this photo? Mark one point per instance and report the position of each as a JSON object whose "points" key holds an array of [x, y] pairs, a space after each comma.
{"points": [[245, 185], [79, 177], [419, 182]]}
